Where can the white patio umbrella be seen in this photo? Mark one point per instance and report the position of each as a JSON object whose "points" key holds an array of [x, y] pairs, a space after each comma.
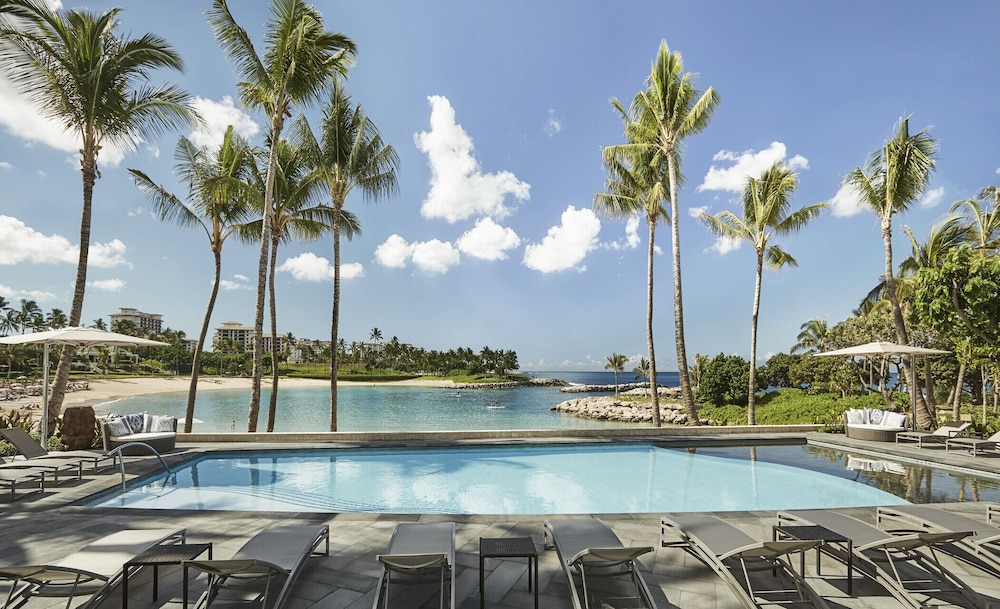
{"points": [[887, 349], [77, 337]]}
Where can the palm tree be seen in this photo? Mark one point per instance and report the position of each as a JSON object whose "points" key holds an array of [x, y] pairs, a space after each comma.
{"points": [[76, 68], [216, 204], [350, 153], [669, 110], [982, 223], [636, 186], [29, 315], [765, 215], [893, 178], [813, 337], [56, 319], [100, 324], [300, 62], [643, 371], [616, 362]]}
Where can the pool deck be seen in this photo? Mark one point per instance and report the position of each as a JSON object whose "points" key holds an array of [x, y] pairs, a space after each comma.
{"points": [[41, 527]]}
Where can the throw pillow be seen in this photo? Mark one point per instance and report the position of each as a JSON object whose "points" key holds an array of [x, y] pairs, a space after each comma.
{"points": [[876, 417], [855, 417], [117, 428], [133, 422], [161, 424], [894, 419]]}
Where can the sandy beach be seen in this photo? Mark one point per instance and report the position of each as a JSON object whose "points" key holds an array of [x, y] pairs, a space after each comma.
{"points": [[100, 391]]}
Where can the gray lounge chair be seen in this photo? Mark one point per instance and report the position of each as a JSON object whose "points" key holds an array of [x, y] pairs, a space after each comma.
{"points": [[588, 548], [248, 576], [983, 544], [419, 552], [30, 449], [11, 477], [94, 569], [733, 555], [951, 429], [976, 446], [53, 467], [905, 565]]}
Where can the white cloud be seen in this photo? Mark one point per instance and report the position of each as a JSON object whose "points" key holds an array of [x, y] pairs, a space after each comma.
{"points": [[724, 245], [393, 252], [310, 267], [239, 277], [846, 202], [216, 117], [137, 211], [747, 164], [565, 246], [435, 257], [458, 188], [553, 124], [932, 197], [229, 285], [6, 165], [14, 294], [632, 238], [107, 285], [488, 240], [21, 243], [352, 270], [696, 212]]}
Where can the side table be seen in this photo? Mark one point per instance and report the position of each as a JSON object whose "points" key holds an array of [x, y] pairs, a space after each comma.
{"points": [[828, 537], [507, 547], [158, 556]]}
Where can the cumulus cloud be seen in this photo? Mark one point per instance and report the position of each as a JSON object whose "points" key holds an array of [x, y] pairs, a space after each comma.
{"points": [[488, 240], [565, 246], [239, 282], [5, 165], [747, 164], [21, 243], [393, 252], [310, 267], [107, 285], [724, 245], [239, 277], [632, 238], [13, 294], [553, 124], [846, 202], [459, 189], [932, 197], [216, 118], [435, 257]]}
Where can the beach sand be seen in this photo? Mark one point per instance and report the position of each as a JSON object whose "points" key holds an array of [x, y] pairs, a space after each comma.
{"points": [[100, 391]]}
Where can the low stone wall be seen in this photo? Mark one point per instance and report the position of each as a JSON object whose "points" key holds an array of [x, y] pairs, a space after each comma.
{"points": [[608, 408]]}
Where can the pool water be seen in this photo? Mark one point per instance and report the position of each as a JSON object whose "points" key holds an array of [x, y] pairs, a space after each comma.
{"points": [[543, 479]]}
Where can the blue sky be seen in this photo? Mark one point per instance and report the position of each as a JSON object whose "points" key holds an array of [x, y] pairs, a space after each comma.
{"points": [[499, 111]]}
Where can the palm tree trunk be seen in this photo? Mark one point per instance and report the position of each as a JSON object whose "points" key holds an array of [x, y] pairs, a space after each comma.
{"points": [[752, 391], [957, 403], [272, 404], [88, 168], [335, 321], [200, 348], [654, 389], [682, 367]]}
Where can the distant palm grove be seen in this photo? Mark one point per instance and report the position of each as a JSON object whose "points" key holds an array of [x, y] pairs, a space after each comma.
{"points": [[942, 293]]}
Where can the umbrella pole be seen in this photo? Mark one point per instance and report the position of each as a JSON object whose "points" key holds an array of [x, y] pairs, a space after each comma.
{"points": [[45, 394]]}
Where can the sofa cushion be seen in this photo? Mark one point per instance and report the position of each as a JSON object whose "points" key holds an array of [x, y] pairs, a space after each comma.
{"points": [[855, 417], [875, 416], [117, 427], [145, 437], [134, 422], [894, 419], [159, 424]]}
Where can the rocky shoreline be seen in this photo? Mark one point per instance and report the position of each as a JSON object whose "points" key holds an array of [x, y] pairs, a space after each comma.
{"points": [[511, 384], [612, 408]]}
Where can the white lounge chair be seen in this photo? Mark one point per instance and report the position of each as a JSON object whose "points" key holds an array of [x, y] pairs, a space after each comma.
{"points": [[94, 569], [588, 548], [419, 552], [905, 565], [951, 429], [977, 446], [248, 577], [733, 555], [983, 544]]}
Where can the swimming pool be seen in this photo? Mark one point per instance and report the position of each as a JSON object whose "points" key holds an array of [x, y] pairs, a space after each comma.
{"points": [[542, 479]]}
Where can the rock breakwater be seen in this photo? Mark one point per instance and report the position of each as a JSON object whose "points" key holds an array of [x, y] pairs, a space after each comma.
{"points": [[607, 408]]}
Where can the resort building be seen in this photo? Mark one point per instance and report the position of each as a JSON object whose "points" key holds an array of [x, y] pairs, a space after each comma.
{"points": [[239, 334], [151, 322]]}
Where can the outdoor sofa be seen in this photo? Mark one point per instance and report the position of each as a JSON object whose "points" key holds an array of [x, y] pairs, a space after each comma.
{"points": [[873, 424], [159, 432]]}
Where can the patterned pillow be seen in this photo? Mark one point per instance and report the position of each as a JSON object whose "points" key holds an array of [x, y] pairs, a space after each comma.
{"points": [[875, 417], [117, 427], [158, 424], [133, 422]]}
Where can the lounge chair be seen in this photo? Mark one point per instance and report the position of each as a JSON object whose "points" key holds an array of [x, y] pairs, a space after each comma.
{"points": [[905, 565], [53, 467], [279, 551], [587, 547], [30, 449], [976, 446], [938, 436], [419, 552], [983, 544], [733, 554], [11, 477], [94, 569]]}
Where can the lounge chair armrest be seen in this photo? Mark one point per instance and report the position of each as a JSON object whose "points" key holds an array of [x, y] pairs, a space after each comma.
{"points": [[609, 556], [234, 568], [413, 562]]}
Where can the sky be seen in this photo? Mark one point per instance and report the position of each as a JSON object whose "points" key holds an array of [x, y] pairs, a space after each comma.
{"points": [[499, 111]]}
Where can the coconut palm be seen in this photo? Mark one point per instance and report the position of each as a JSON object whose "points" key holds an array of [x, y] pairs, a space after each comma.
{"points": [[643, 371], [350, 153], [29, 315], [765, 215], [296, 214], [55, 319], [300, 62], [893, 178], [616, 362], [100, 324], [76, 68], [812, 338], [216, 203], [635, 185], [982, 223], [659, 119]]}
